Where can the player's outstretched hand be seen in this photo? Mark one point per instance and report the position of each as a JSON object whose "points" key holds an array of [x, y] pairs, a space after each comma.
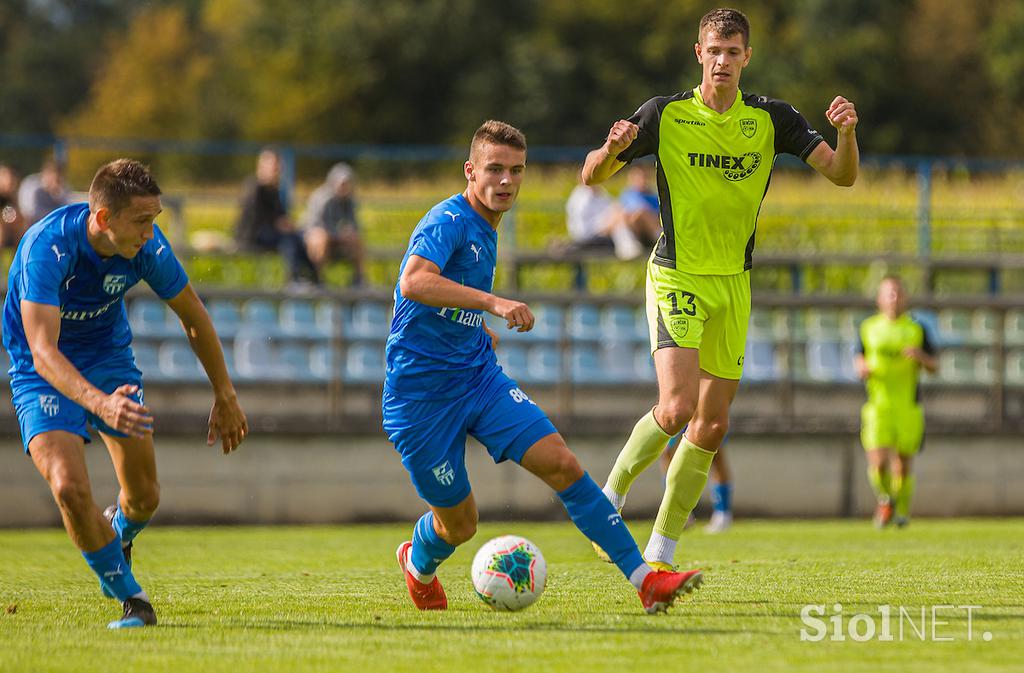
{"points": [[227, 421], [122, 413], [842, 115], [515, 313], [621, 136]]}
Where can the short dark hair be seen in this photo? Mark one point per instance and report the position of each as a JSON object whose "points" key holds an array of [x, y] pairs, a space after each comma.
{"points": [[497, 133], [117, 182], [726, 22]]}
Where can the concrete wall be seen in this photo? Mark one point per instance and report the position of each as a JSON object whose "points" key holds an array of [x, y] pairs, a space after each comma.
{"points": [[281, 479]]}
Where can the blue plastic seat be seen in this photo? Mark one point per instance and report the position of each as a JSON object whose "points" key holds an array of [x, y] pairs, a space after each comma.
{"points": [[298, 318], [585, 365], [585, 322], [330, 317], [825, 362], [260, 316], [294, 361], [1015, 368], [370, 320], [618, 362], [225, 316], [149, 318], [544, 364], [364, 363], [624, 323], [179, 363], [643, 365], [256, 356], [147, 359], [512, 358], [323, 362], [759, 361], [548, 324]]}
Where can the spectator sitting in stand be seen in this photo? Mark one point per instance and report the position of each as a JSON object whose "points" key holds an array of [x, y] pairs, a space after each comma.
{"points": [[43, 192], [264, 225], [587, 217], [12, 224], [330, 223], [637, 220]]}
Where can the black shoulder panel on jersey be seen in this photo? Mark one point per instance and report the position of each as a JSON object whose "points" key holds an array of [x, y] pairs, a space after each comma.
{"points": [[793, 135], [927, 345], [648, 118]]}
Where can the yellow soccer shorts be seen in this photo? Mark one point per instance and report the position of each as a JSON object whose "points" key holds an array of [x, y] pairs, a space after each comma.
{"points": [[709, 313], [901, 429]]}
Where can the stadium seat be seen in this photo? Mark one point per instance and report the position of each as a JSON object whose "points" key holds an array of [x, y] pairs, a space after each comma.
{"points": [[618, 362], [147, 359], [956, 365], [585, 322], [984, 367], [149, 318], [370, 320], [759, 361], [225, 316], [643, 365], [322, 362], [761, 325], [1013, 327], [850, 321], [260, 315], [256, 356], [179, 363], [330, 318], [822, 324], [512, 358], [1015, 368], [954, 326], [624, 323], [294, 361], [549, 320], [364, 363], [586, 366], [298, 318], [544, 364]]}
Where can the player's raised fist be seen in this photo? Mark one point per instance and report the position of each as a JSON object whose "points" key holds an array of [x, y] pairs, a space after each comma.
{"points": [[621, 136], [842, 115]]}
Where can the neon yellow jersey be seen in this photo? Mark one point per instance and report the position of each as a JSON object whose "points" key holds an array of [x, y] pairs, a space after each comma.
{"points": [[894, 376], [713, 172]]}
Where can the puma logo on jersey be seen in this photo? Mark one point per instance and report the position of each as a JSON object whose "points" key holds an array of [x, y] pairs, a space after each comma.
{"points": [[160, 249], [476, 250], [67, 283], [451, 214], [58, 252]]}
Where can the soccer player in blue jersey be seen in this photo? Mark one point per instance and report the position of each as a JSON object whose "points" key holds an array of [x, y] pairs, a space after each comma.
{"points": [[443, 383], [65, 328]]}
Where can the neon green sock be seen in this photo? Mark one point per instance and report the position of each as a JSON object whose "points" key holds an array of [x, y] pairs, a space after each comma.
{"points": [[643, 447], [685, 481], [904, 490], [880, 483]]}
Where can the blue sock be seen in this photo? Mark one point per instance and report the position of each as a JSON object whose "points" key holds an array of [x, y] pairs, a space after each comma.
{"points": [[428, 549], [721, 497], [109, 565], [594, 515], [125, 528]]}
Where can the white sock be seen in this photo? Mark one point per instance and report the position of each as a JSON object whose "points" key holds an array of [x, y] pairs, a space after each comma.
{"points": [[417, 575], [142, 596], [637, 577], [617, 501], [660, 549]]}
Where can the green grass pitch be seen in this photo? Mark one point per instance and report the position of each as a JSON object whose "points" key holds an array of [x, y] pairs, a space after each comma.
{"points": [[332, 599]]}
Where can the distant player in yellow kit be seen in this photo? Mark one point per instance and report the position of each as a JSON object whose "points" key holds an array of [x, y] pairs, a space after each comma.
{"points": [[893, 348]]}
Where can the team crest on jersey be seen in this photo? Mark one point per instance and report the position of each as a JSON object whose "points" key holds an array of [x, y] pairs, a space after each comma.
{"points": [[50, 404], [444, 474], [748, 127], [114, 283], [679, 326]]}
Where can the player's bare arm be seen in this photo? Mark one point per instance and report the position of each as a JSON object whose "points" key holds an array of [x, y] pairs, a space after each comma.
{"points": [[118, 410], [227, 420], [422, 281], [839, 165], [929, 362], [603, 163]]}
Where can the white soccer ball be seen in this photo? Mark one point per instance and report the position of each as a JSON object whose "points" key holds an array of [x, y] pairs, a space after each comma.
{"points": [[509, 573]]}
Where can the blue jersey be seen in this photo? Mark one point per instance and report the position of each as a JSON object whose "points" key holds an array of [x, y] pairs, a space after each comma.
{"points": [[55, 264], [435, 353]]}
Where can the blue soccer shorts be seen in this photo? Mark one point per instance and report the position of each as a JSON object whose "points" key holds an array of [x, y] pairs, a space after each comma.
{"points": [[41, 408], [430, 435]]}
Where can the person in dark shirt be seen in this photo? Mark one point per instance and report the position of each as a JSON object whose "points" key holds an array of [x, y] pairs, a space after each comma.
{"points": [[264, 225], [12, 224], [330, 223]]}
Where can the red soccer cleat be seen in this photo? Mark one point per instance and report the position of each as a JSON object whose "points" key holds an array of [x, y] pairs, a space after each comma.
{"points": [[424, 596], [661, 588], [883, 514]]}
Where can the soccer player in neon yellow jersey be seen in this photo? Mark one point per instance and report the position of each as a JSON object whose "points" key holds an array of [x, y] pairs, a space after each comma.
{"points": [[715, 148], [893, 348]]}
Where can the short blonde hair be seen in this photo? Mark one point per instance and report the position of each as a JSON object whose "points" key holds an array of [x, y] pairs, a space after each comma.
{"points": [[497, 133]]}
